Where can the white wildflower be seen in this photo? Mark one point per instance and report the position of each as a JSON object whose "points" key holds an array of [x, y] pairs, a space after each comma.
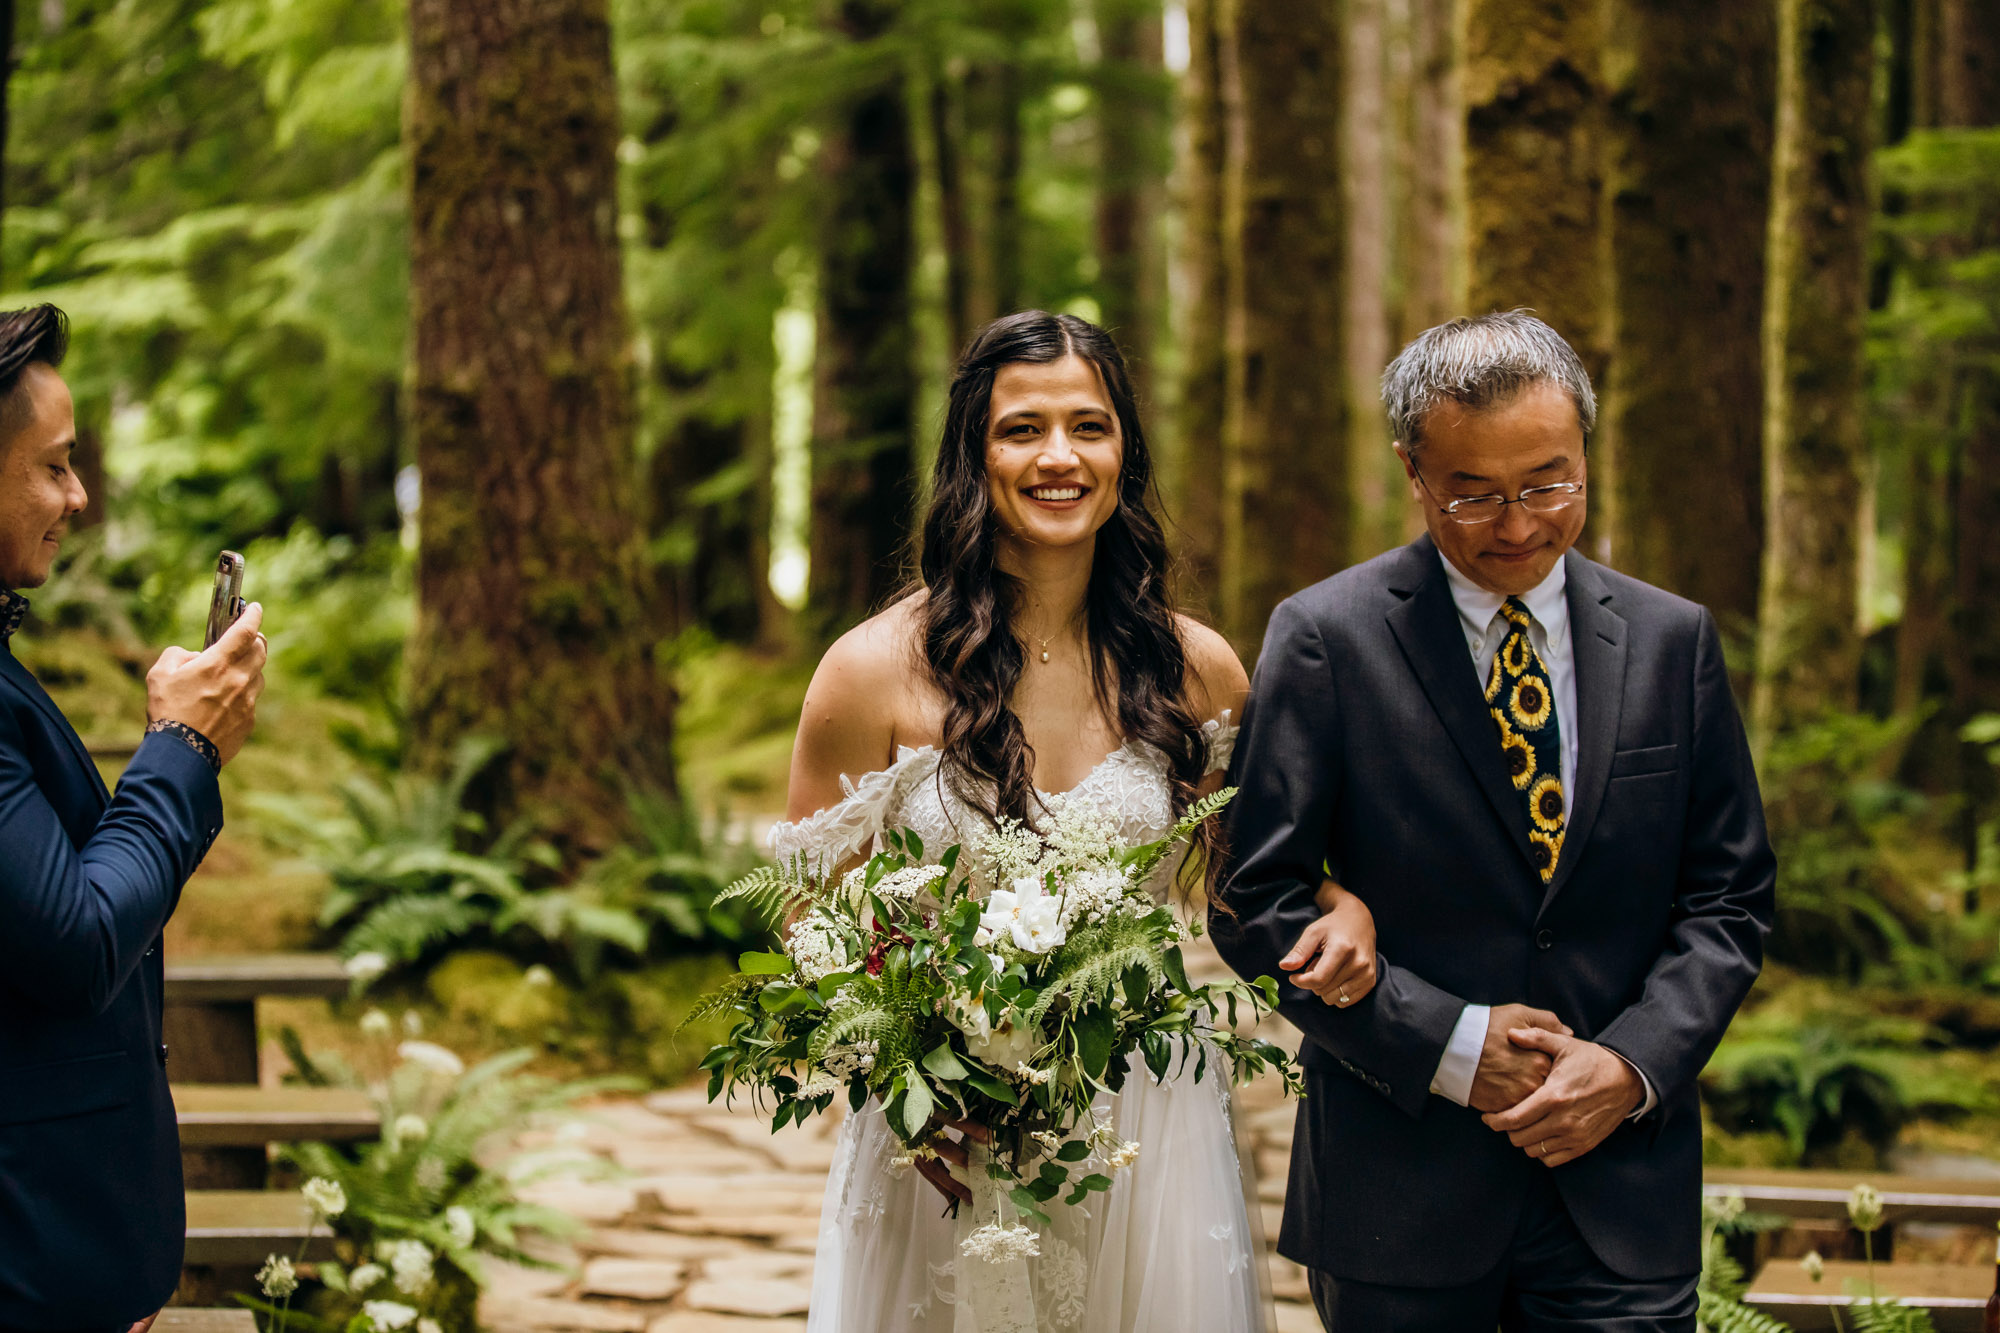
{"points": [[850, 1058], [900, 1164], [365, 1276], [409, 1129], [432, 1057], [815, 948], [1027, 1073], [375, 1023], [1048, 1138], [410, 1261], [1722, 1209], [817, 1084], [539, 976], [998, 1245], [1026, 914], [1814, 1266], [277, 1278], [388, 1316], [907, 883], [1009, 851], [413, 1023], [1081, 833], [1125, 1154], [1864, 1207], [366, 966], [459, 1225], [1092, 895], [327, 1198]]}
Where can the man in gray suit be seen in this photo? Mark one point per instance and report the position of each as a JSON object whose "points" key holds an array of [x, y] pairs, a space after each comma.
{"points": [[1532, 771]]}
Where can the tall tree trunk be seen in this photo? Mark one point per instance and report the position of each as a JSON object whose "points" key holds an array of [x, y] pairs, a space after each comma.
{"points": [[1436, 167], [1688, 177], [1131, 142], [955, 232], [1287, 497], [535, 617], [1809, 648], [1366, 145], [1203, 302], [6, 76], [864, 388], [1534, 206]]}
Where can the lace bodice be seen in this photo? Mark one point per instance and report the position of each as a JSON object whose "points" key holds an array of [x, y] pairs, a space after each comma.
{"points": [[1130, 782]]}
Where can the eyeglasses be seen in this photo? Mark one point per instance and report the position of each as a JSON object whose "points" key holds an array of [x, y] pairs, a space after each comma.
{"points": [[1479, 509]]}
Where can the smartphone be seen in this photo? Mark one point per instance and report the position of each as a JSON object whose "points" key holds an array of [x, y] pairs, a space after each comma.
{"points": [[226, 602]]}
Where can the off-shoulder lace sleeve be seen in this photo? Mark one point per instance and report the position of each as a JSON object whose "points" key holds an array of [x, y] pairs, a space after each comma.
{"points": [[832, 835], [1220, 734]]}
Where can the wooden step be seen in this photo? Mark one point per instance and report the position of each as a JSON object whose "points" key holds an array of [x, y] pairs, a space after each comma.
{"points": [[226, 978], [204, 1319], [1953, 1293], [1825, 1194], [230, 1115], [244, 1227]]}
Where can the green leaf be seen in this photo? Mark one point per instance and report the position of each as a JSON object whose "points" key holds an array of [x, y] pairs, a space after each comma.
{"points": [[764, 964], [999, 1089], [1029, 1205], [1096, 1033], [1177, 970], [917, 1105], [944, 1062], [1073, 1151]]}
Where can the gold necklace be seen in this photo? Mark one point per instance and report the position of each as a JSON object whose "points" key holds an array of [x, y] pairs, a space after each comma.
{"points": [[1045, 646]]}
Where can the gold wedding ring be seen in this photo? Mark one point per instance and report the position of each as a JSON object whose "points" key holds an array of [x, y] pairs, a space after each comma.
{"points": [[1542, 1148], [1343, 996]]}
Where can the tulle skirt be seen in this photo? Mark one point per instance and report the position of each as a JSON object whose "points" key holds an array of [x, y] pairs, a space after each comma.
{"points": [[1172, 1246]]}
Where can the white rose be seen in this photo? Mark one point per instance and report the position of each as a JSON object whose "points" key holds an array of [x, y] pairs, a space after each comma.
{"points": [[1005, 1047], [970, 1018], [1027, 914]]}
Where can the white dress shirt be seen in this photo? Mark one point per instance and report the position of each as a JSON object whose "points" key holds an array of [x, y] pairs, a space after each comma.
{"points": [[1548, 632]]}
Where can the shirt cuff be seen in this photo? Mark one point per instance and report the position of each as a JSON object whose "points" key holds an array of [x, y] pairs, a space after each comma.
{"points": [[1460, 1065], [1651, 1099]]}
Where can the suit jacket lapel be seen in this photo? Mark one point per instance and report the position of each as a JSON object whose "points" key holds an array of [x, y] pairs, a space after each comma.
{"points": [[1597, 638], [24, 681], [1426, 626]]}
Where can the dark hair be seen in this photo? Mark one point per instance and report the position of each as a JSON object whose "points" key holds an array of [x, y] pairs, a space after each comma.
{"points": [[969, 647], [39, 333]]}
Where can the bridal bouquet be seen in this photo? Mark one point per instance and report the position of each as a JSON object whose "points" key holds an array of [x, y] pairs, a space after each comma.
{"points": [[1013, 1009]]}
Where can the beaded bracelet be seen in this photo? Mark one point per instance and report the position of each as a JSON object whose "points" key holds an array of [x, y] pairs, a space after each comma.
{"points": [[201, 744]]}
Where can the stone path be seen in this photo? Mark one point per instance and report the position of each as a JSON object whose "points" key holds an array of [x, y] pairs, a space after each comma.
{"points": [[710, 1222]]}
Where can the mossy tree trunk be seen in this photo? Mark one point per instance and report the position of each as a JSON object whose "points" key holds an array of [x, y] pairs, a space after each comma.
{"points": [[1534, 186], [1688, 148], [1132, 93], [536, 619], [864, 387], [1202, 303], [1368, 143], [1809, 648], [1287, 497], [1433, 171], [1969, 95]]}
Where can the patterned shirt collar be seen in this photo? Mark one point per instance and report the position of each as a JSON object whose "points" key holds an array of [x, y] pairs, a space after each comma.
{"points": [[13, 610]]}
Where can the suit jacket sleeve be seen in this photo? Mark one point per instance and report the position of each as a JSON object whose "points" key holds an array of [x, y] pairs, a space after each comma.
{"points": [[75, 923], [1277, 831], [1715, 945]]}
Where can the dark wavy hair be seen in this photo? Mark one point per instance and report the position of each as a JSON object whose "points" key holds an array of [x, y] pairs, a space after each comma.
{"points": [[38, 333], [1138, 661]]}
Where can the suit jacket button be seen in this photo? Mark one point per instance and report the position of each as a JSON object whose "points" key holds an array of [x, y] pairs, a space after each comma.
{"points": [[1545, 940], [163, 1054]]}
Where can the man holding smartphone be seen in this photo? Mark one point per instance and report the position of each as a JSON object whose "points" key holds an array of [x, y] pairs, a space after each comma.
{"points": [[91, 1212]]}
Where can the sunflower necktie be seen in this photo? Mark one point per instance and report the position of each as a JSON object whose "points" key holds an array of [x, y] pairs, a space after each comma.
{"points": [[1523, 704]]}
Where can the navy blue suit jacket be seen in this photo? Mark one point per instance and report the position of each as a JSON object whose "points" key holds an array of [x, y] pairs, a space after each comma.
{"points": [[1367, 751], [91, 1214]]}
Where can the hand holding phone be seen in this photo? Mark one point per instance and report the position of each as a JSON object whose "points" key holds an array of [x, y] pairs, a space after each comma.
{"points": [[225, 603]]}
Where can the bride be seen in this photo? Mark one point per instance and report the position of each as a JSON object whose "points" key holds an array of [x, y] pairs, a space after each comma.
{"points": [[1041, 655]]}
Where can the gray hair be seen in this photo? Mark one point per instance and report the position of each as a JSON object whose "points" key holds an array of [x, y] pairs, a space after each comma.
{"points": [[1481, 362]]}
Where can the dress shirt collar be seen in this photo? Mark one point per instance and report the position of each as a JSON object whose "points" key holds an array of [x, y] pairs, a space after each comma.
{"points": [[1547, 601], [13, 609]]}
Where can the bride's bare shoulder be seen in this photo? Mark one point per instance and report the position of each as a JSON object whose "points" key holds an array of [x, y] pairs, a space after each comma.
{"points": [[1215, 677], [865, 685]]}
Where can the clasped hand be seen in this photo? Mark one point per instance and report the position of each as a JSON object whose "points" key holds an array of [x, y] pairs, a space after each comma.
{"points": [[1583, 1092]]}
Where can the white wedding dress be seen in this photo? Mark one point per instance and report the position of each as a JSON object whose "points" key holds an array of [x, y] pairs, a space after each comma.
{"points": [[1171, 1248]]}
